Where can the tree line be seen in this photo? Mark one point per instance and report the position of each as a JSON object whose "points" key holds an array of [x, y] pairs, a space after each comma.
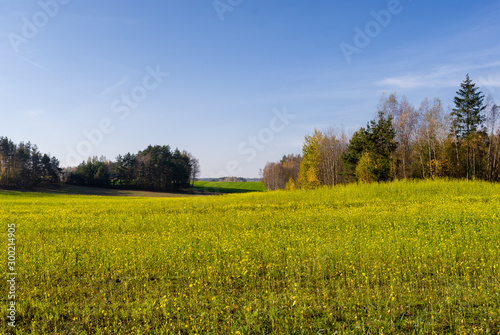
{"points": [[157, 168], [401, 142], [23, 166]]}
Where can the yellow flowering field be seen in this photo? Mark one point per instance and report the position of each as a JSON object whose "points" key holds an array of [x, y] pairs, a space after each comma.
{"points": [[396, 258]]}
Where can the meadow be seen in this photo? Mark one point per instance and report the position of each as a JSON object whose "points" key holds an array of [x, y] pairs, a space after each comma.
{"points": [[397, 258], [229, 187]]}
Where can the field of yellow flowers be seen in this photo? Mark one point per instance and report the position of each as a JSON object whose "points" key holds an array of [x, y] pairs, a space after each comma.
{"points": [[403, 257]]}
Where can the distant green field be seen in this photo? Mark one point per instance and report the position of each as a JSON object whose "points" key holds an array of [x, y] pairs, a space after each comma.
{"points": [[229, 187]]}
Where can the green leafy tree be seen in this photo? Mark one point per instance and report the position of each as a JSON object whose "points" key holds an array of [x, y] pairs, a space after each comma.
{"points": [[363, 169], [50, 169], [101, 177], [309, 169], [382, 145], [378, 140], [357, 146]]}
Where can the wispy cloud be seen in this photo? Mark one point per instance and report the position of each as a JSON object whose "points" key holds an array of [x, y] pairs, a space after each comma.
{"points": [[441, 76], [333, 93], [38, 66], [490, 80], [490, 83], [113, 87]]}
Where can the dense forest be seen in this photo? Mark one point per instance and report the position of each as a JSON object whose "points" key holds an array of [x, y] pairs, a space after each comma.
{"points": [[401, 142], [156, 168], [23, 166]]}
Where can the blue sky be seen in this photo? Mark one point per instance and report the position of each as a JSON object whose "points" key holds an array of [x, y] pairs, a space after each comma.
{"points": [[236, 83]]}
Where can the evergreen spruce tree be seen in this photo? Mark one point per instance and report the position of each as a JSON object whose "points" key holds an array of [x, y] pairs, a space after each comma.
{"points": [[468, 111], [468, 116], [374, 148]]}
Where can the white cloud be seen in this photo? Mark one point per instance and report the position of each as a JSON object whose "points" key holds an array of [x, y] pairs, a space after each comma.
{"points": [[441, 76], [490, 81]]}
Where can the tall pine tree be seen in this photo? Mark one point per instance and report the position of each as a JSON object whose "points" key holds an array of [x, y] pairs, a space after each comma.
{"points": [[468, 112], [468, 116]]}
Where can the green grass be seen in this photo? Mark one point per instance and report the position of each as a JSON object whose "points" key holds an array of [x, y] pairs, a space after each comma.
{"points": [[398, 258], [229, 187]]}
